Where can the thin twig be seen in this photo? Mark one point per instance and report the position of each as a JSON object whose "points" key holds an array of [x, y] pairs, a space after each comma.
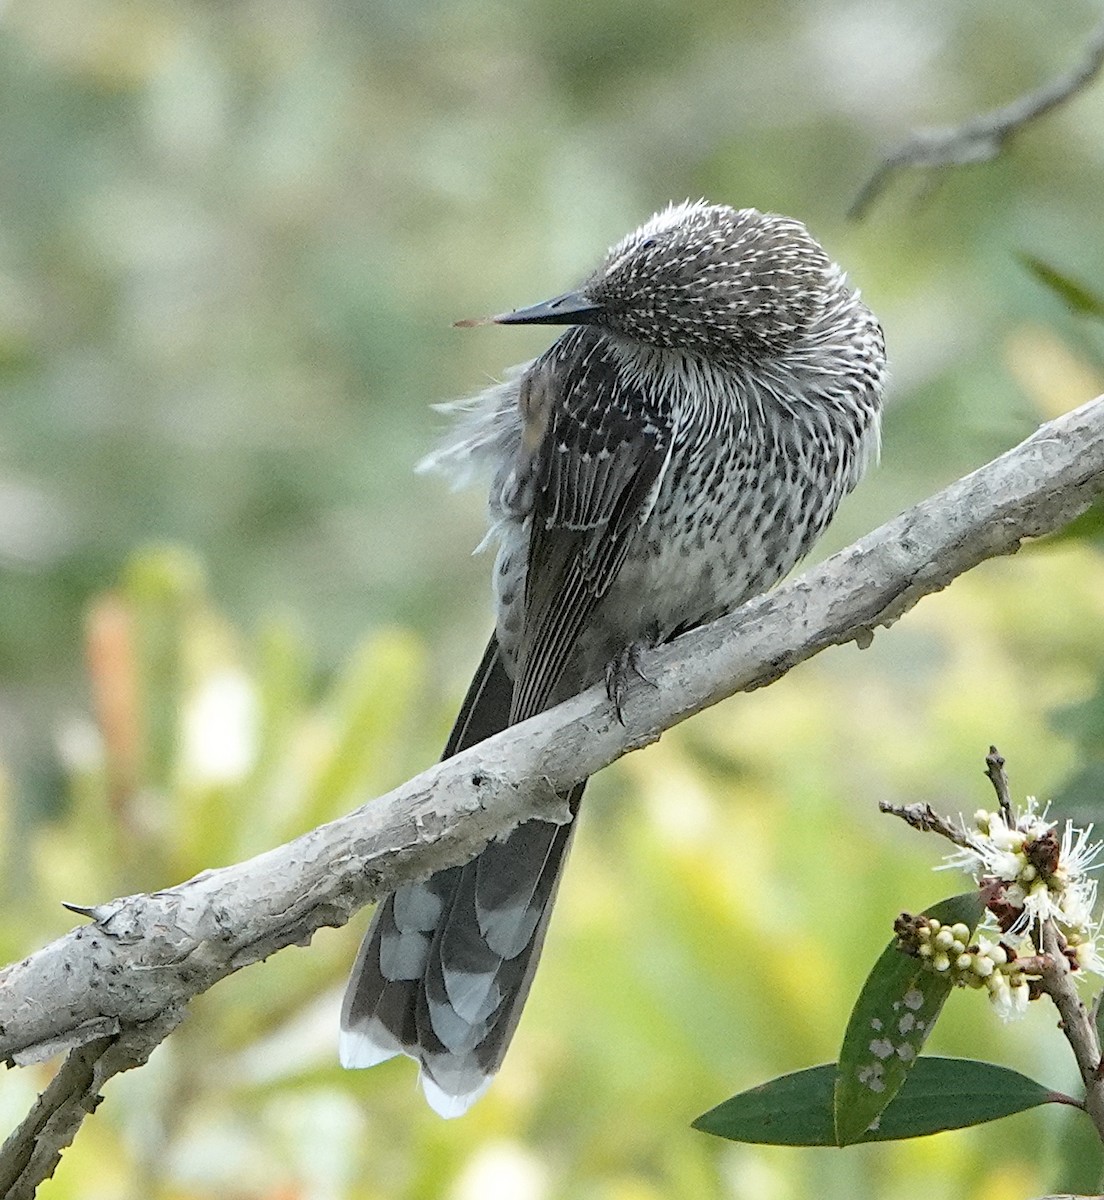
{"points": [[1058, 982], [32, 1151], [994, 769], [927, 820], [982, 137]]}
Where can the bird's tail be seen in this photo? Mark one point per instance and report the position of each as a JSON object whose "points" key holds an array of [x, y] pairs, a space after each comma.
{"points": [[446, 965]]}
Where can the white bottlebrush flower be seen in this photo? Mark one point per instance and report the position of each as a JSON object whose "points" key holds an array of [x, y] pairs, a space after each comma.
{"points": [[1038, 876], [1085, 950], [1078, 853], [1029, 874], [978, 963], [1008, 994]]}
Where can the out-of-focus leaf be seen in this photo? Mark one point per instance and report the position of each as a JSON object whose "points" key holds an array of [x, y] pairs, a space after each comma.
{"points": [[939, 1094], [1081, 796], [282, 673], [892, 1018], [163, 586], [369, 708], [1088, 527], [1084, 721], [1078, 1158], [1077, 297]]}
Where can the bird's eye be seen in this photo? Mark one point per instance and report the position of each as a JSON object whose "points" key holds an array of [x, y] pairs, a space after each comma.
{"points": [[647, 244]]}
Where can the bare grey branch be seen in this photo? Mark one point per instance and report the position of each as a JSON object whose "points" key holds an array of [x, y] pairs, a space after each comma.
{"points": [[998, 777], [924, 818], [1079, 1031], [110, 990]]}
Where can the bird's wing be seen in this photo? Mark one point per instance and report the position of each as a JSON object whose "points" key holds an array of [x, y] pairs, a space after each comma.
{"points": [[595, 445]]}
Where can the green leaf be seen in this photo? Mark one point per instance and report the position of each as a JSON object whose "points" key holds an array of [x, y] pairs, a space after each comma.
{"points": [[1075, 295], [792, 1110], [890, 1023], [939, 1094]]}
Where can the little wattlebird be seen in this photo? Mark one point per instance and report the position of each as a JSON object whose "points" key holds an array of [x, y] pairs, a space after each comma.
{"points": [[674, 452]]}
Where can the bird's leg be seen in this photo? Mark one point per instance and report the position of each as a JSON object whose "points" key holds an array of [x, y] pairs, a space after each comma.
{"points": [[619, 669]]}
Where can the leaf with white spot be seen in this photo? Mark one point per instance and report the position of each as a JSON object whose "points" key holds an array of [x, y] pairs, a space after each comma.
{"points": [[891, 1021], [939, 1094]]}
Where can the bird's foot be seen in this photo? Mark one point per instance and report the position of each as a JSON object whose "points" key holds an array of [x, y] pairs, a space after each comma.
{"points": [[618, 672]]}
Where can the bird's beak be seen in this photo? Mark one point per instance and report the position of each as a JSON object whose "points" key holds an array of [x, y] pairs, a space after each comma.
{"points": [[572, 308]]}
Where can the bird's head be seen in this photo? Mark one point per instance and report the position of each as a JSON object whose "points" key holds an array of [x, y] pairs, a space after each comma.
{"points": [[703, 278]]}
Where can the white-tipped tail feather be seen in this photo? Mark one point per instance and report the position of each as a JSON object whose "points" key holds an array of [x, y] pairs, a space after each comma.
{"points": [[358, 1048], [368, 1048], [446, 1105]]}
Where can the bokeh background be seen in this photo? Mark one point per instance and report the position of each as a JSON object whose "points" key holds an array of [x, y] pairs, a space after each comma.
{"points": [[233, 238]]}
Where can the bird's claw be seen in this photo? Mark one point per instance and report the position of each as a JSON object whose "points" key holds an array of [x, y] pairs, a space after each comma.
{"points": [[618, 670]]}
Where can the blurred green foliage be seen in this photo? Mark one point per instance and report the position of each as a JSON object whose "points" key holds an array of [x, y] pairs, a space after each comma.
{"points": [[233, 238]]}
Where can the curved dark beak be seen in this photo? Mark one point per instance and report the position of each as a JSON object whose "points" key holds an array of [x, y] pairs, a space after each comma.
{"points": [[572, 308]]}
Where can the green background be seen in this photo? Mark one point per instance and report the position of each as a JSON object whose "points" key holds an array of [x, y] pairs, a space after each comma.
{"points": [[233, 239]]}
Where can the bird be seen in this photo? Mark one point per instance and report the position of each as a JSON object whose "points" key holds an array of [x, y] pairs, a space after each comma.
{"points": [[681, 445]]}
